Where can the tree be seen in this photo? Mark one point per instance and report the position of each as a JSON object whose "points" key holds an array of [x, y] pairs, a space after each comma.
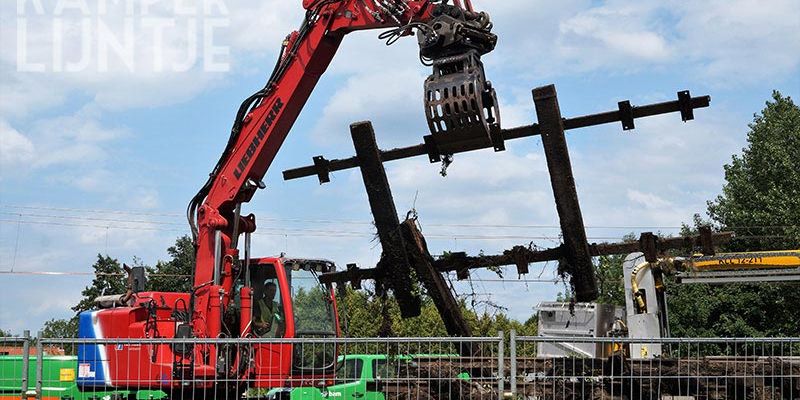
{"points": [[4, 333], [361, 314], [610, 284], [760, 201], [761, 196], [176, 274], [109, 279], [60, 328]]}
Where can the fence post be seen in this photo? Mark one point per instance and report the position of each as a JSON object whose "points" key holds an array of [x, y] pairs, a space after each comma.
{"points": [[39, 365], [26, 349], [513, 359], [501, 369]]}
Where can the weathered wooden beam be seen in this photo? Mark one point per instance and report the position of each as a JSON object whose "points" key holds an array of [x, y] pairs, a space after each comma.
{"points": [[625, 114], [576, 246], [393, 268], [435, 284], [462, 262], [404, 247]]}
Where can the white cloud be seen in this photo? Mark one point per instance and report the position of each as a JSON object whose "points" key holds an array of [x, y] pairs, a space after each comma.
{"points": [[741, 40], [20, 94], [392, 101], [612, 33], [146, 199], [90, 181], [648, 200], [15, 148], [727, 42], [73, 139], [260, 27]]}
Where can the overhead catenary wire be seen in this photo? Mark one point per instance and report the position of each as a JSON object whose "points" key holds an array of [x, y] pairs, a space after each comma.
{"points": [[296, 232], [340, 221], [304, 232]]}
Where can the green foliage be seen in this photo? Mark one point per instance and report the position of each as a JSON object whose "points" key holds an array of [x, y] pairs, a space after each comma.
{"points": [[176, 274], [312, 310], [765, 310], [5, 333], [60, 328], [361, 316], [761, 196], [610, 282], [109, 279]]}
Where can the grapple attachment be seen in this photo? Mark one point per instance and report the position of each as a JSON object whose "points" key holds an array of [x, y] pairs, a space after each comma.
{"points": [[461, 105]]}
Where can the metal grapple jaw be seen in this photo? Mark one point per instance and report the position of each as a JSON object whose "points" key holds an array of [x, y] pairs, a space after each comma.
{"points": [[460, 104]]}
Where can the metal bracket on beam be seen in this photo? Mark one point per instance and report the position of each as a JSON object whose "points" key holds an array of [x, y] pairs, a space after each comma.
{"points": [[685, 105], [649, 245], [323, 168], [522, 267], [497, 138], [462, 274], [434, 155], [626, 115], [356, 282], [706, 240]]}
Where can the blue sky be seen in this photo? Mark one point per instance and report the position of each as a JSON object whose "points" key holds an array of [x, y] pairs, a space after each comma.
{"points": [[103, 159]]}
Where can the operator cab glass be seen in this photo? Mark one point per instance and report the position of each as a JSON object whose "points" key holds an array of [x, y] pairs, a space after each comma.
{"points": [[269, 317], [314, 314], [311, 301]]}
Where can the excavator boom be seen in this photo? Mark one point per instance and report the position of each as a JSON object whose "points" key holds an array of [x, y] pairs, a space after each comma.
{"points": [[451, 37]]}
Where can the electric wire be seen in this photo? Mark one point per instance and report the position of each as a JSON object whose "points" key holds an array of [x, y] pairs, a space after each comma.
{"points": [[334, 233], [347, 221]]}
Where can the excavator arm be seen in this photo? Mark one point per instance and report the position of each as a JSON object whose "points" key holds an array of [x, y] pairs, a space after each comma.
{"points": [[452, 38]]}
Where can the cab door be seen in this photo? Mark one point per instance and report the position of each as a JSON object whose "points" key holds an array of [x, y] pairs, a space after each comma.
{"points": [[274, 360]]}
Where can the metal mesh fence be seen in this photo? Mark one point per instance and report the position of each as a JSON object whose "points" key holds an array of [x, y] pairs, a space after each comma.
{"points": [[14, 365], [531, 368], [387, 368], [671, 368]]}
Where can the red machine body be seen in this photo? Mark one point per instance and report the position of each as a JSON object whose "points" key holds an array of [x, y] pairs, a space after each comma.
{"points": [[305, 309]]}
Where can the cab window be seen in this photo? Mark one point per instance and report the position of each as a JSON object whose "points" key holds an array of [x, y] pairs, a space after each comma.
{"points": [[269, 320], [383, 369], [350, 370]]}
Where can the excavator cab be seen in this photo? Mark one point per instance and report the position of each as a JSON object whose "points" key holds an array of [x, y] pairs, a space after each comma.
{"points": [[282, 298]]}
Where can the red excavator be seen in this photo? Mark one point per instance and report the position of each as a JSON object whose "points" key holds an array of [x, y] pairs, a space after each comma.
{"points": [[241, 297]]}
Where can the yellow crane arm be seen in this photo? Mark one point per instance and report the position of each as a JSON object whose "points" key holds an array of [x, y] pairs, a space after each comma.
{"points": [[745, 261]]}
